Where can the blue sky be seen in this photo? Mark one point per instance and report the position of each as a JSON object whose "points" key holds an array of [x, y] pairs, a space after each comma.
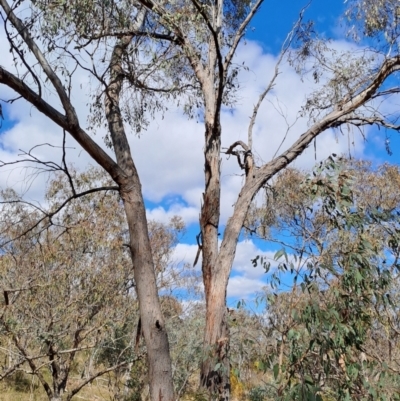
{"points": [[276, 18], [169, 154]]}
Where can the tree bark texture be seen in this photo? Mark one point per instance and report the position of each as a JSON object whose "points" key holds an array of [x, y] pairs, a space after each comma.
{"points": [[215, 369], [154, 331]]}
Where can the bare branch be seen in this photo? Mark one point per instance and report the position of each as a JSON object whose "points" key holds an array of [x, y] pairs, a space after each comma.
{"points": [[139, 84], [285, 47], [359, 121], [240, 33], [11, 369], [152, 35], [49, 215], [21, 56], [30, 361], [90, 379], [71, 182], [246, 152], [237, 143], [288, 127], [386, 92]]}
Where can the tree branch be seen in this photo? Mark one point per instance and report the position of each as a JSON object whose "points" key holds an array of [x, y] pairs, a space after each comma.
{"points": [[237, 143], [94, 150], [90, 379], [285, 47], [215, 36], [52, 76], [240, 33], [120, 35], [32, 365], [49, 215], [338, 116], [359, 121], [168, 20]]}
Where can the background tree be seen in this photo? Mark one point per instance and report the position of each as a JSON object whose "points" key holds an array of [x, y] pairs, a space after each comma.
{"points": [[69, 302], [63, 288]]}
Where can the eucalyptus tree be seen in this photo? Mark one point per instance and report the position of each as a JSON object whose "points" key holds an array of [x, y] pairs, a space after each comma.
{"points": [[334, 333], [147, 44], [352, 85], [73, 16]]}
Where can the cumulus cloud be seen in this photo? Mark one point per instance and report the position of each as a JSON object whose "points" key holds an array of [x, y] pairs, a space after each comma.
{"points": [[160, 213], [186, 253], [242, 287], [245, 279], [169, 155]]}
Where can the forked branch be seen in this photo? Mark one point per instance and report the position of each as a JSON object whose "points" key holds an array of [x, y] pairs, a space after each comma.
{"points": [[248, 162]]}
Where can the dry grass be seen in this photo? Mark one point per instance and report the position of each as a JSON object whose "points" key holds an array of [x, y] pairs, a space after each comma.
{"points": [[26, 388], [21, 390]]}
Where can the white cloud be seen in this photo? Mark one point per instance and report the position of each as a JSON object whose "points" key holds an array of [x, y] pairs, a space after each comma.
{"points": [[188, 214], [246, 279], [242, 287], [169, 156], [245, 252], [186, 253]]}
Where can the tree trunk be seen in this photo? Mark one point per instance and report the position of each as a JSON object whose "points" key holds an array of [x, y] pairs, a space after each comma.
{"points": [[154, 331], [216, 368], [56, 396]]}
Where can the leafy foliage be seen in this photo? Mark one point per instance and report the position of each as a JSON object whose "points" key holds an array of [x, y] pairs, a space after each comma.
{"points": [[68, 300], [344, 270]]}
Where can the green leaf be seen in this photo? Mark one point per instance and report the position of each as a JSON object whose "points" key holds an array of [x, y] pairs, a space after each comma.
{"points": [[276, 371], [279, 254], [217, 366]]}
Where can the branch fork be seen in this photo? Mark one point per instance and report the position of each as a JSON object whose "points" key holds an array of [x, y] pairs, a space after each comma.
{"points": [[247, 163]]}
